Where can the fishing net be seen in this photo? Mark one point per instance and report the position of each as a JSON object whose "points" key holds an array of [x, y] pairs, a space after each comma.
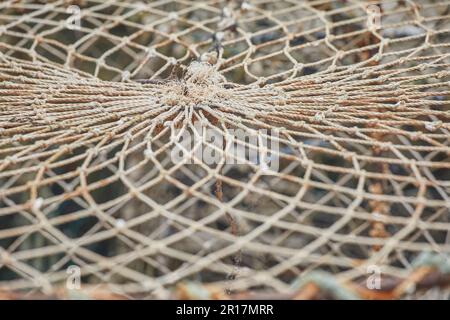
{"points": [[108, 110]]}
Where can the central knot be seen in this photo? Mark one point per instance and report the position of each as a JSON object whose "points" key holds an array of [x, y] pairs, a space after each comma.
{"points": [[203, 74], [201, 83]]}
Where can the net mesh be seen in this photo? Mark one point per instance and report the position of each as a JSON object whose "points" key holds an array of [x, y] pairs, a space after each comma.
{"points": [[351, 97]]}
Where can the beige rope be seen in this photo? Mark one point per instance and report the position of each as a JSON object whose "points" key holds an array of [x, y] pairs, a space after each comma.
{"points": [[90, 118]]}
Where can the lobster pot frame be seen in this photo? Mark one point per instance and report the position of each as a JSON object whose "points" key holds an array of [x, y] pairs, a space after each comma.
{"points": [[224, 149]]}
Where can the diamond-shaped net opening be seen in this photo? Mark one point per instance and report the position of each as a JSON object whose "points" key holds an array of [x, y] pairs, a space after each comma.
{"points": [[340, 171]]}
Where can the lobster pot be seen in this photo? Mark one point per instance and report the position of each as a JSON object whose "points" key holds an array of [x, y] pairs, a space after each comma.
{"points": [[224, 149]]}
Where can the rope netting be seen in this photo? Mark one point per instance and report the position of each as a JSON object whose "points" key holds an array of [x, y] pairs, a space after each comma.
{"points": [[346, 104]]}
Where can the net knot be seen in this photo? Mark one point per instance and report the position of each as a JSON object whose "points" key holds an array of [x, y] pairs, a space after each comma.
{"points": [[201, 83], [203, 73]]}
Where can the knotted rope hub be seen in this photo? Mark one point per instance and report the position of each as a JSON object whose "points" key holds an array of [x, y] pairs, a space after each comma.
{"points": [[200, 84]]}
